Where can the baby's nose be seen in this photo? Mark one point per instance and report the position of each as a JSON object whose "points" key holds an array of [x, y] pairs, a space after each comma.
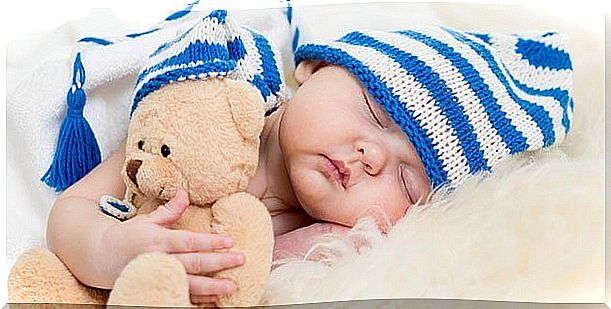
{"points": [[132, 170], [373, 157]]}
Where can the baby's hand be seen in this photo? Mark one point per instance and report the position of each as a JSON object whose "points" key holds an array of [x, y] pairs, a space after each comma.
{"points": [[196, 251]]}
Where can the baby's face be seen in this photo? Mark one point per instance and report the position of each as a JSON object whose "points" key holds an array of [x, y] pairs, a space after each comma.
{"points": [[346, 158]]}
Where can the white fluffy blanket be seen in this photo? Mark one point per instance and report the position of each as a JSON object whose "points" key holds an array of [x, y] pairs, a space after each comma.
{"points": [[531, 231]]}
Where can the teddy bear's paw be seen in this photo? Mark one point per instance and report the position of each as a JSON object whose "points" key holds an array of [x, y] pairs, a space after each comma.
{"points": [[152, 279], [116, 208], [246, 219], [39, 276]]}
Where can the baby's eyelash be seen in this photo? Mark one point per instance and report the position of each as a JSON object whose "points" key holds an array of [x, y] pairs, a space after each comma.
{"points": [[409, 196], [371, 110]]}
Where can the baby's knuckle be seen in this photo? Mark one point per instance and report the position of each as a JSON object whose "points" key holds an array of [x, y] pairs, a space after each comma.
{"points": [[191, 242], [196, 264], [155, 243]]}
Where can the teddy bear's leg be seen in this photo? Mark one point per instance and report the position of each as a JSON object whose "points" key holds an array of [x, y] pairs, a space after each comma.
{"points": [[39, 276], [246, 219], [152, 279]]}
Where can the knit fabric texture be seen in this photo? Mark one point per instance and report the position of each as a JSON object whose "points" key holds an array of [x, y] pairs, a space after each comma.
{"points": [[466, 100], [215, 47]]}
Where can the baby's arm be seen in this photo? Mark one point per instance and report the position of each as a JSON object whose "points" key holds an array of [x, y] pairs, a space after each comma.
{"points": [[76, 225], [96, 247]]}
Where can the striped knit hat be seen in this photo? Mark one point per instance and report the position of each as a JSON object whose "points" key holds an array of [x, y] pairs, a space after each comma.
{"points": [[215, 47], [466, 100]]}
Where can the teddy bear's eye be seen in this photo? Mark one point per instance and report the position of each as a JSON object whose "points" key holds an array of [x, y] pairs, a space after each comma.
{"points": [[141, 145], [165, 151]]}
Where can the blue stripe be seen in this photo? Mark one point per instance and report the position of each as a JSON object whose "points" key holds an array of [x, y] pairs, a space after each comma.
{"points": [[514, 140], [135, 35], [540, 55], [383, 95], [196, 51], [270, 73], [296, 38], [441, 93], [482, 36], [562, 96], [289, 11], [538, 113], [181, 13], [95, 40], [164, 79], [118, 206], [220, 15], [168, 44]]}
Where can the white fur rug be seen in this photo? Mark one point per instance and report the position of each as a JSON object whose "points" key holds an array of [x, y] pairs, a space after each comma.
{"points": [[531, 231]]}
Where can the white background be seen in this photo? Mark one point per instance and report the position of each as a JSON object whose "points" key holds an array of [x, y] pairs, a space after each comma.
{"points": [[22, 19]]}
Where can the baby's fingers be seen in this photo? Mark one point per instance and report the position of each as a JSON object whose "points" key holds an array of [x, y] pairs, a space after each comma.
{"points": [[171, 211], [205, 286], [180, 241], [201, 263]]}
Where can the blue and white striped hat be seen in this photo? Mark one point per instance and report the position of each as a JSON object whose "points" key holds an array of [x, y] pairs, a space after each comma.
{"points": [[215, 47], [466, 100]]}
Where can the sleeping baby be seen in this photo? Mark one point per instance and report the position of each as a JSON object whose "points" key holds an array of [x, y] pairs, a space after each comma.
{"points": [[379, 121]]}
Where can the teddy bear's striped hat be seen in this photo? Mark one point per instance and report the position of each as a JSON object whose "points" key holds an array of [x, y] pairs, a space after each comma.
{"points": [[466, 100], [215, 47]]}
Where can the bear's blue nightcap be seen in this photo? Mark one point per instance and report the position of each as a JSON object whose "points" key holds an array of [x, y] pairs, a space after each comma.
{"points": [[216, 47]]}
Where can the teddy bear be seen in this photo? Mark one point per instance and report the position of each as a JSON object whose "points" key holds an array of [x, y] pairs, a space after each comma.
{"points": [[198, 110]]}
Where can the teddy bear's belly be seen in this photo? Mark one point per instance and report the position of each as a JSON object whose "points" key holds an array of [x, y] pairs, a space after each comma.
{"points": [[195, 218]]}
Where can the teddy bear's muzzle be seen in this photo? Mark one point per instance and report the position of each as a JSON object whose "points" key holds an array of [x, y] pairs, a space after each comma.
{"points": [[132, 170], [154, 176]]}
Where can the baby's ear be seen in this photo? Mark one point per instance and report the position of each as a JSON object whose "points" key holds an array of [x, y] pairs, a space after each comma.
{"points": [[306, 69]]}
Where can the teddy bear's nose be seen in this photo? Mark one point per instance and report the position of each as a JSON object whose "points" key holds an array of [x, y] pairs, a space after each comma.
{"points": [[132, 170]]}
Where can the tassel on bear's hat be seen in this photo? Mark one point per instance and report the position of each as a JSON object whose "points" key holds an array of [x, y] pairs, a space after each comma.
{"points": [[213, 45], [77, 149]]}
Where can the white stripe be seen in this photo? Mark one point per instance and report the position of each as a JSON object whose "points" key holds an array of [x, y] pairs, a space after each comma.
{"points": [[534, 77], [251, 64], [416, 98], [493, 147], [516, 115]]}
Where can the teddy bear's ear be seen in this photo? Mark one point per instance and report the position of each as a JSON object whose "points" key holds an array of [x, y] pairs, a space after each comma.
{"points": [[247, 108]]}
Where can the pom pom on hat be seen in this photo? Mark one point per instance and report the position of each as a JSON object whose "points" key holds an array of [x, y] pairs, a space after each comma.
{"points": [[215, 47], [465, 100]]}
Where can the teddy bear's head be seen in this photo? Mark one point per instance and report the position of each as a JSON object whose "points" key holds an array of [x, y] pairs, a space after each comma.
{"points": [[199, 135]]}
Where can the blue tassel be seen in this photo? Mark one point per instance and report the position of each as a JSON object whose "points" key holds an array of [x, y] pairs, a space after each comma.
{"points": [[77, 150]]}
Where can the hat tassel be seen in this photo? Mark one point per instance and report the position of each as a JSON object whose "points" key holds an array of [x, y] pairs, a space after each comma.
{"points": [[77, 150]]}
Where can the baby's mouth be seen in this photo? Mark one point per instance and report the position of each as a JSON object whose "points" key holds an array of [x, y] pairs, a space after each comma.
{"points": [[336, 170]]}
